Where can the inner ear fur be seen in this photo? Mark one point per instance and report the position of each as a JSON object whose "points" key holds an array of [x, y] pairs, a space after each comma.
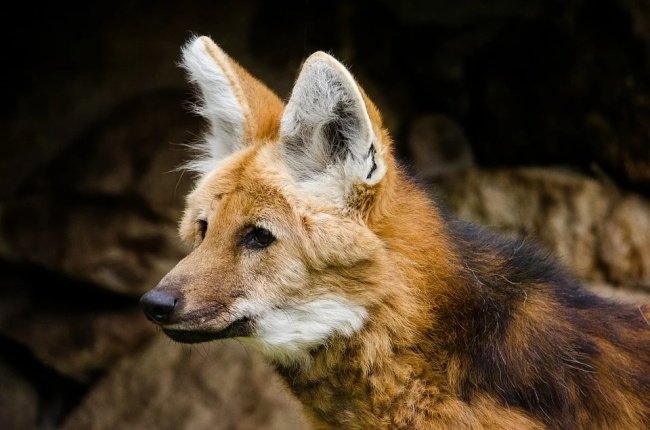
{"points": [[330, 127], [239, 108], [262, 108]]}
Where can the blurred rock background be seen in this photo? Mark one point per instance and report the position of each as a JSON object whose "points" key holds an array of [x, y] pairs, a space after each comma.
{"points": [[531, 117]]}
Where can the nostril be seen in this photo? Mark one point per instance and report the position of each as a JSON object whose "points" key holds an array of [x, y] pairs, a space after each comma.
{"points": [[158, 306], [163, 309]]}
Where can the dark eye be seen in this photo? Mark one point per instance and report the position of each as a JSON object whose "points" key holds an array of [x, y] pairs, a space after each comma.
{"points": [[258, 238], [202, 227]]}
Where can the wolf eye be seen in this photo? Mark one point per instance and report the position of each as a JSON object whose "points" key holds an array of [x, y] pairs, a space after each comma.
{"points": [[258, 238], [202, 227]]}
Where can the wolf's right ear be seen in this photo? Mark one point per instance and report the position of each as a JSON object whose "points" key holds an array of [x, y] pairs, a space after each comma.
{"points": [[239, 108]]}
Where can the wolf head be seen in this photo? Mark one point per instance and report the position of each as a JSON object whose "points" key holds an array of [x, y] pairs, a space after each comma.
{"points": [[284, 215]]}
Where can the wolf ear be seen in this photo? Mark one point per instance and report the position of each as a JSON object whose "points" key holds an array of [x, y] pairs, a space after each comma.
{"points": [[327, 134], [239, 108]]}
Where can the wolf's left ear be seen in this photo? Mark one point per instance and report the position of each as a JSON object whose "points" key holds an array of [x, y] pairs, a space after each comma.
{"points": [[327, 134], [239, 108]]}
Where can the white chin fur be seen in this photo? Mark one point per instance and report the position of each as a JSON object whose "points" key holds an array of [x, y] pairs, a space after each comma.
{"points": [[286, 335]]}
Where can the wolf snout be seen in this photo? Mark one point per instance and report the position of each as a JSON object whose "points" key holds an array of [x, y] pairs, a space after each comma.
{"points": [[159, 305]]}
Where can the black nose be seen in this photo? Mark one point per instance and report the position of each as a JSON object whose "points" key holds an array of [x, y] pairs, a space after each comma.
{"points": [[158, 306]]}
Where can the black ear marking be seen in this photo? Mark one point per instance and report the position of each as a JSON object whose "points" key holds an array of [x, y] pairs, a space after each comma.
{"points": [[294, 144], [338, 131], [371, 153]]}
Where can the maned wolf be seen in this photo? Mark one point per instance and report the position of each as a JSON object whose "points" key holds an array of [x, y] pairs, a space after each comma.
{"points": [[310, 244]]}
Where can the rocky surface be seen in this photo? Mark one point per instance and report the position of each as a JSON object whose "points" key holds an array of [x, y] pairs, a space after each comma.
{"points": [[218, 386], [600, 232], [95, 118], [18, 400], [79, 332], [104, 210]]}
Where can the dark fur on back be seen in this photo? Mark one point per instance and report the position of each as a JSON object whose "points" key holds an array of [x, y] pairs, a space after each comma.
{"points": [[528, 334]]}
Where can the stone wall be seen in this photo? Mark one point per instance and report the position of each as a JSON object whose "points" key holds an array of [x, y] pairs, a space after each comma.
{"points": [[530, 117]]}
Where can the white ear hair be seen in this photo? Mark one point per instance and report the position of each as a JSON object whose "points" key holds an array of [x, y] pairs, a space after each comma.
{"points": [[221, 102], [327, 135]]}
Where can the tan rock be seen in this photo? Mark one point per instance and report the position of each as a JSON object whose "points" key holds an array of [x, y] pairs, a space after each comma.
{"points": [[221, 385], [81, 345], [618, 294], [601, 233], [117, 247], [78, 332], [625, 242]]}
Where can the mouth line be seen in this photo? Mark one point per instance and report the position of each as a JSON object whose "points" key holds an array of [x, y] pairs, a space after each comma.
{"points": [[238, 328]]}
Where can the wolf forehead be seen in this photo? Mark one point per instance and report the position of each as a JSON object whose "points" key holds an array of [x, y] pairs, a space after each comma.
{"points": [[253, 187]]}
